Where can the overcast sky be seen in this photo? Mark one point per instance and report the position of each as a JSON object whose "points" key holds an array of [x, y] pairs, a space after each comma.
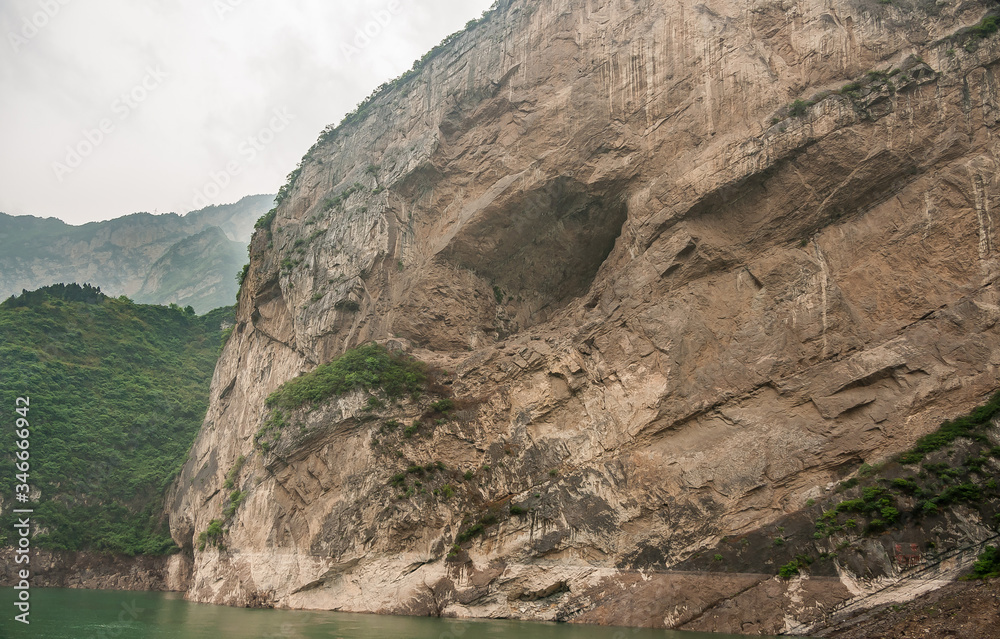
{"points": [[109, 107]]}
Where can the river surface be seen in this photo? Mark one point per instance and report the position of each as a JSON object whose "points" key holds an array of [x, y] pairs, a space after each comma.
{"points": [[102, 614]]}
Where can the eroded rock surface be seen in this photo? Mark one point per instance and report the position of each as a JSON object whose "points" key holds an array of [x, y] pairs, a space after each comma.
{"points": [[673, 303]]}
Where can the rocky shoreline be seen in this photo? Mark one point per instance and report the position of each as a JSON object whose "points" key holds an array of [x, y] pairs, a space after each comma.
{"points": [[956, 609], [98, 571]]}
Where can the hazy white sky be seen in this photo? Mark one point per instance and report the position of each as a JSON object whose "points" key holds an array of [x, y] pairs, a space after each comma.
{"points": [[109, 107]]}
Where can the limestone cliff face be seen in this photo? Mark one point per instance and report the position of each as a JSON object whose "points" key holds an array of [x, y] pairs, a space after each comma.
{"points": [[674, 302]]}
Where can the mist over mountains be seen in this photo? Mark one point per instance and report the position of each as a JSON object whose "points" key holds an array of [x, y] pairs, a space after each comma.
{"points": [[154, 259]]}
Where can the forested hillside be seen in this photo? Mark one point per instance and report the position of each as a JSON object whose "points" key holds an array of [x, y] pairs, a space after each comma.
{"points": [[117, 392]]}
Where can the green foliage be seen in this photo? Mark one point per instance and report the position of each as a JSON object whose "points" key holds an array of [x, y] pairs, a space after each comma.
{"points": [[269, 434], [370, 367], [264, 221], [875, 501], [975, 464], [448, 491], [988, 565], [875, 525], [476, 529], [987, 26], [955, 494], [851, 506], [937, 485], [212, 536], [517, 510], [85, 294], [442, 405], [789, 570], [118, 391], [242, 275], [234, 472], [907, 486], [339, 200], [498, 294], [235, 499], [468, 475], [848, 484], [793, 567], [951, 430], [286, 189], [472, 532], [797, 109], [943, 470]]}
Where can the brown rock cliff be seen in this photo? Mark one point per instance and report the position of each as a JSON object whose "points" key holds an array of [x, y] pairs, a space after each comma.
{"points": [[675, 302]]}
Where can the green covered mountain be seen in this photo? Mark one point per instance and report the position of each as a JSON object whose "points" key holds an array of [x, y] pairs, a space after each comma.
{"points": [[198, 270], [117, 392], [159, 259]]}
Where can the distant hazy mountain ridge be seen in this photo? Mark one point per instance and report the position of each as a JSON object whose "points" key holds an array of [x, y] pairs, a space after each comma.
{"points": [[157, 259]]}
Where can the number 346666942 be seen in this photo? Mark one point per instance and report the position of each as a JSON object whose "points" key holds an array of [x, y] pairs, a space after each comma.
{"points": [[22, 455]]}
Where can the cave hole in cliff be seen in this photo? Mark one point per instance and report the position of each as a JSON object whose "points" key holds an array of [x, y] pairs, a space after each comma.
{"points": [[540, 249]]}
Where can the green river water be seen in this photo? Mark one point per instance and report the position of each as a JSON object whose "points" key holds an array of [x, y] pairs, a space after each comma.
{"points": [[102, 614]]}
